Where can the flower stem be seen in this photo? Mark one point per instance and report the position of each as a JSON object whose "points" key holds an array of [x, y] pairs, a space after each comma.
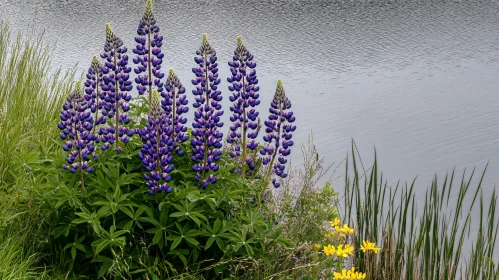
{"points": [[243, 155], [80, 160], [96, 103], [149, 67], [116, 90], [207, 88]]}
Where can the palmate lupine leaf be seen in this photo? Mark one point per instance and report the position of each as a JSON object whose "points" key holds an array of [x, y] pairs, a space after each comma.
{"points": [[245, 98], [149, 56], [278, 128], [206, 141], [116, 86]]}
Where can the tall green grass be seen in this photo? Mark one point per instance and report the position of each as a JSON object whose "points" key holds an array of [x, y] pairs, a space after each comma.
{"points": [[422, 240], [30, 102], [30, 97]]}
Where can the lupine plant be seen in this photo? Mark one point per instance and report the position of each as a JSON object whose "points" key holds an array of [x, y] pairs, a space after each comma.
{"points": [[149, 56], [174, 104], [76, 125], [278, 128], [245, 98], [206, 141], [157, 144], [116, 86], [93, 93]]}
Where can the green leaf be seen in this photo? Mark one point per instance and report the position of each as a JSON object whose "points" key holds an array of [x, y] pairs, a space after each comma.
{"points": [[178, 214], [103, 269], [209, 242], [100, 245], [191, 241], [158, 236], [73, 253], [64, 229], [176, 242]]}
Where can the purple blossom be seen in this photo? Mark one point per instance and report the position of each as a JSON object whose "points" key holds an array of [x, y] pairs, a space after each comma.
{"points": [[206, 141], [156, 146], [175, 106], [149, 56], [116, 85], [245, 98], [76, 125], [278, 128], [93, 92]]}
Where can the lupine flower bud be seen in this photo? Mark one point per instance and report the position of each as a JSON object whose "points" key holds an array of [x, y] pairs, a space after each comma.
{"points": [[93, 92], [116, 86], [157, 144], [206, 142], [278, 128], [149, 56], [245, 98], [175, 106], [76, 126]]}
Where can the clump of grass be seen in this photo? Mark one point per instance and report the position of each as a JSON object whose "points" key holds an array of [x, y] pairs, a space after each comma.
{"points": [[428, 246], [30, 97]]}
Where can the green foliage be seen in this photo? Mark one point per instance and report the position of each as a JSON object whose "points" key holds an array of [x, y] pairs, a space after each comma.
{"points": [[117, 229]]}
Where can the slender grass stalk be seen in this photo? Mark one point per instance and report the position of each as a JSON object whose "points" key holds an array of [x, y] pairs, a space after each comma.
{"points": [[425, 246], [30, 97]]}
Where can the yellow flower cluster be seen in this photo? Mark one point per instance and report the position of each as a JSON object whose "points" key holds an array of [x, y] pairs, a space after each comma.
{"points": [[340, 251], [317, 246], [366, 246], [344, 230], [349, 274], [334, 222], [341, 230]]}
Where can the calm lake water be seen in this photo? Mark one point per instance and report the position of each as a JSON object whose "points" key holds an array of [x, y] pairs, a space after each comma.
{"points": [[419, 80]]}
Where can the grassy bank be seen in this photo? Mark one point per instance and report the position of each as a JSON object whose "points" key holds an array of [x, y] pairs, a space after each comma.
{"points": [[126, 234]]}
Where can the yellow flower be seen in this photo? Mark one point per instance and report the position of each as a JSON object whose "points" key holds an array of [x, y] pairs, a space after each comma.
{"points": [[366, 246], [349, 274], [326, 235], [344, 252], [317, 246], [334, 222], [329, 250], [345, 229]]}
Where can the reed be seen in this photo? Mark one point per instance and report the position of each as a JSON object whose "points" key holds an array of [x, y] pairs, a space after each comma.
{"points": [[421, 241]]}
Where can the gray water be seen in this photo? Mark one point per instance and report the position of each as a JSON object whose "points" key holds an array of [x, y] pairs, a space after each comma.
{"points": [[419, 80]]}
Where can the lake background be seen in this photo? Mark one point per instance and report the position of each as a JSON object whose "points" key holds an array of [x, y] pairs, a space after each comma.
{"points": [[417, 79]]}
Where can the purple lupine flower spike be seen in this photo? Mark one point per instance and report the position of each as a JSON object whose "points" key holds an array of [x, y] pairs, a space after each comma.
{"points": [[245, 98], [76, 125], [93, 92], [278, 128], [116, 85], [149, 56], [175, 106], [206, 141], [157, 145]]}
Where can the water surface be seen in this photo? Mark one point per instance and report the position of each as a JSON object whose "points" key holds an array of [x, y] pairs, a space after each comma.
{"points": [[417, 79]]}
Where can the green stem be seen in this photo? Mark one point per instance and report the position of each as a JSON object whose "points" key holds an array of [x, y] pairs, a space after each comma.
{"points": [[96, 102], [149, 67], [116, 100], [269, 173], [173, 115], [243, 155], [207, 87], [80, 160]]}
